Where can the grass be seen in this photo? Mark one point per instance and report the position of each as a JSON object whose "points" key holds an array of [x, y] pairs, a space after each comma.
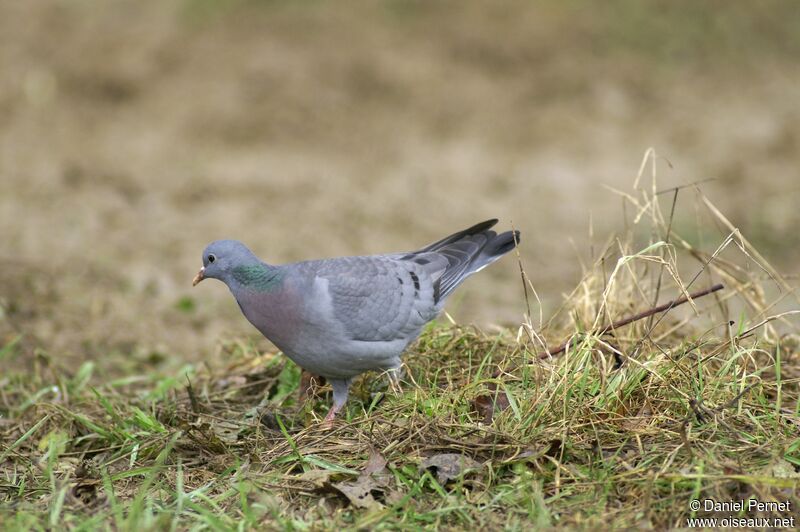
{"points": [[579, 444], [622, 430]]}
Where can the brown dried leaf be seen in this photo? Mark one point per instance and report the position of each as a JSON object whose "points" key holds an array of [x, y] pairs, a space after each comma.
{"points": [[374, 481], [375, 464], [640, 421], [320, 478], [449, 466], [360, 492], [489, 404], [226, 431]]}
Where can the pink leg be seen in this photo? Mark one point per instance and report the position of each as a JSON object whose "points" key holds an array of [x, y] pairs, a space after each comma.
{"points": [[340, 391], [331, 414]]}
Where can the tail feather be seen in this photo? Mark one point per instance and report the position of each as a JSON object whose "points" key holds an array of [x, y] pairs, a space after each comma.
{"points": [[455, 237], [469, 251]]}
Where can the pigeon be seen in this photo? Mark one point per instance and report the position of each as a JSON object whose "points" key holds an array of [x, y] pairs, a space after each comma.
{"points": [[341, 317]]}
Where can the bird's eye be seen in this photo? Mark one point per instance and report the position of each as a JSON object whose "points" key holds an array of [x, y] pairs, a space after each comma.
{"points": [[211, 258]]}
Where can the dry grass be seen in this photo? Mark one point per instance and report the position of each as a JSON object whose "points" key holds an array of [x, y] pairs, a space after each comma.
{"points": [[622, 430]]}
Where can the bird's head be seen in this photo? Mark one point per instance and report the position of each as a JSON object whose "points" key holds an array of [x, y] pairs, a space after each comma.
{"points": [[221, 257]]}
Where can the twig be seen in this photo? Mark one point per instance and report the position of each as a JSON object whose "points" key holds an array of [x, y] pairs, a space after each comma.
{"points": [[192, 398], [669, 305], [693, 184]]}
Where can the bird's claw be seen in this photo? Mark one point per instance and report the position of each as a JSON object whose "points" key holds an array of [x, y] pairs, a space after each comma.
{"points": [[327, 422]]}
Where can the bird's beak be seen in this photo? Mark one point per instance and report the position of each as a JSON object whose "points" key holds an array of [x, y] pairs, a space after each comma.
{"points": [[199, 277]]}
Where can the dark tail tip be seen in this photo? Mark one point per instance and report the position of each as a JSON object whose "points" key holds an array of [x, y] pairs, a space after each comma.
{"points": [[502, 243], [480, 227]]}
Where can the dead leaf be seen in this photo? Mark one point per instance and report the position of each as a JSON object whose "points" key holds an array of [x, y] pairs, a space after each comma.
{"points": [[270, 421], [449, 466], [226, 431], [782, 468], [488, 405], [375, 464], [640, 421], [320, 478], [359, 493], [372, 486]]}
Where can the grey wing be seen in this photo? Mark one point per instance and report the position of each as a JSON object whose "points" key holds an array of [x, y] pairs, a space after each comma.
{"points": [[381, 298]]}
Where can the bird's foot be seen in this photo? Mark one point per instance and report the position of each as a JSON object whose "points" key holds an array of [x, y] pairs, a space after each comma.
{"points": [[394, 381], [394, 384], [327, 423]]}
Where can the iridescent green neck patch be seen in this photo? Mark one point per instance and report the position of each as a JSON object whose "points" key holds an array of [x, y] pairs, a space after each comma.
{"points": [[258, 277]]}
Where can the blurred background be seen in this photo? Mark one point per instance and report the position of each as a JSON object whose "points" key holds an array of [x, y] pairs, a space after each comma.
{"points": [[132, 133]]}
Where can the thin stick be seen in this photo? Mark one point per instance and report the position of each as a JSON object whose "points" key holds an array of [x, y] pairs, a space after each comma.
{"points": [[669, 305]]}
